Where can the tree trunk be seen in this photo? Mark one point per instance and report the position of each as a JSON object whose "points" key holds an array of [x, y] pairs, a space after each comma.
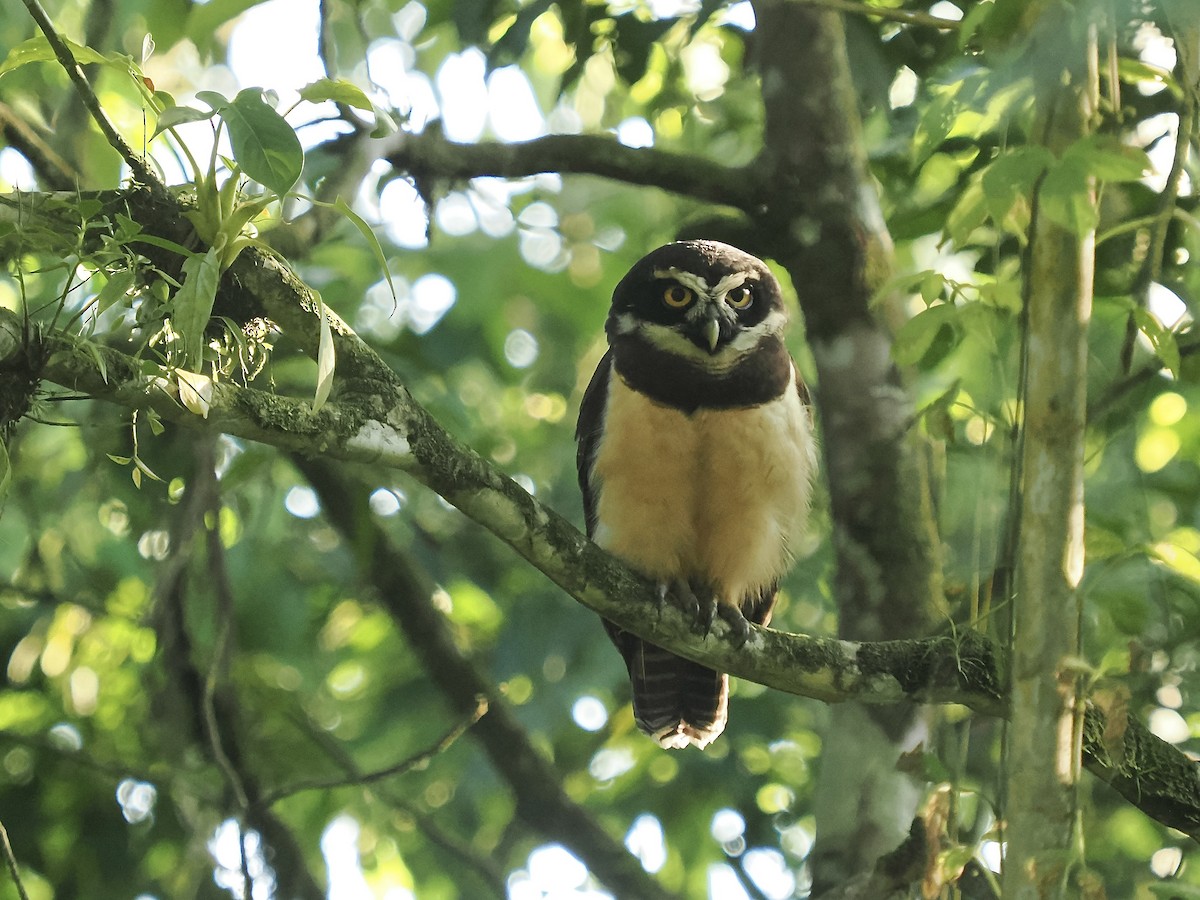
{"points": [[1047, 709]]}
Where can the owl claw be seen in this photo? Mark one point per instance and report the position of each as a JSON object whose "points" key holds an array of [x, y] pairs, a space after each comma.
{"points": [[680, 592], [707, 604], [739, 626], [699, 605]]}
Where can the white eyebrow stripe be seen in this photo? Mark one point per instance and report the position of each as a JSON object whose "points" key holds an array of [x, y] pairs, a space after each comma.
{"points": [[687, 279], [698, 284], [729, 282]]}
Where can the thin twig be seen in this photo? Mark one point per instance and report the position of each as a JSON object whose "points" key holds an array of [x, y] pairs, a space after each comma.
{"points": [[247, 878], [142, 173], [407, 765], [488, 868], [219, 579], [11, 861], [904, 16], [1151, 268], [50, 168]]}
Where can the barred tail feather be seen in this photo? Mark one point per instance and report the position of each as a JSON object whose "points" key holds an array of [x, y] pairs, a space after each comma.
{"points": [[675, 701]]}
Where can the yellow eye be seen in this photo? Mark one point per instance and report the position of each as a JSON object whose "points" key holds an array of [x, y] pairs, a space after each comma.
{"points": [[677, 296], [739, 297]]}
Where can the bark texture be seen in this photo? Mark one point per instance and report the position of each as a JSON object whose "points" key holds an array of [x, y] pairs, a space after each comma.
{"points": [[1047, 721]]}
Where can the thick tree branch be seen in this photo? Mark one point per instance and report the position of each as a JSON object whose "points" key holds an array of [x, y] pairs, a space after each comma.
{"points": [[393, 431], [968, 670], [431, 155]]}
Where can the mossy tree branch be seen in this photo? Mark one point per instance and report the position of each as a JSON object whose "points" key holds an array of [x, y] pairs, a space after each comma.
{"points": [[393, 431]]}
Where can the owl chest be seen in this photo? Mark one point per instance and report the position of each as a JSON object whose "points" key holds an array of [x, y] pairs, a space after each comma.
{"points": [[716, 495]]}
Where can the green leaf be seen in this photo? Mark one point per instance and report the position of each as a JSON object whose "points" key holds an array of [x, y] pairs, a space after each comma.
{"points": [[934, 126], [217, 101], [367, 232], [325, 358], [193, 303], [165, 243], [1133, 71], [1065, 197], [972, 22], [932, 285], [916, 338], [114, 290], [141, 467], [178, 115], [1011, 176], [94, 352], [384, 123], [37, 49], [1161, 338], [154, 420], [1108, 159], [967, 214], [337, 90], [264, 144]]}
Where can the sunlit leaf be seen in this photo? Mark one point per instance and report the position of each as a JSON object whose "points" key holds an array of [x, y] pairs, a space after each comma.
{"points": [[37, 49], [1065, 197], [968, 213], [264, 144], [918, 335], [1162, 339], [337, 90], [368, 233], [192, 305], [1108, 159], [195, 391], [179, 115], [325, 359], [115, 290]]}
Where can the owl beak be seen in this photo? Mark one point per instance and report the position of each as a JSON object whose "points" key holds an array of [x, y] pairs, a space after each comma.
{"points": [[712, 332]]}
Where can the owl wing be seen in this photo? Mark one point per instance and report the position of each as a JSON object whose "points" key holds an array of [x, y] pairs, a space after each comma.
{"points": [[587, 436]]}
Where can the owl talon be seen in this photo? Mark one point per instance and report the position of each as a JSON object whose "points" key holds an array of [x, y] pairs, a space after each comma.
{"points": [[739, 625], [704, 607], [661, 591], [694, 608]]}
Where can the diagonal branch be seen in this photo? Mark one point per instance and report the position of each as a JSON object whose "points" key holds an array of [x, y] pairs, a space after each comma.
{"points": [[405, 591], [137, 164], [406, 765], [395, 432]]}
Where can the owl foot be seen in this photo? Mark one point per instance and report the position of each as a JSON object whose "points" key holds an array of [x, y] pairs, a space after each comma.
{"points": [[698, 606], [739, 625]]}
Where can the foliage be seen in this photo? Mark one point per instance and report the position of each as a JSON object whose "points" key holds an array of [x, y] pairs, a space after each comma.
{"points": [[176, 639]]}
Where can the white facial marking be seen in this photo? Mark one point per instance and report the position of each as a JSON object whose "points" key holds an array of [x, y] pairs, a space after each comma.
{"points": [[687, 279], [627, 324], [729, 282]]}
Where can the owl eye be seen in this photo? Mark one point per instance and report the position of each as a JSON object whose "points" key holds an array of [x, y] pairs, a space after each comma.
{"points": [[739, 297], [677, 296]]}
